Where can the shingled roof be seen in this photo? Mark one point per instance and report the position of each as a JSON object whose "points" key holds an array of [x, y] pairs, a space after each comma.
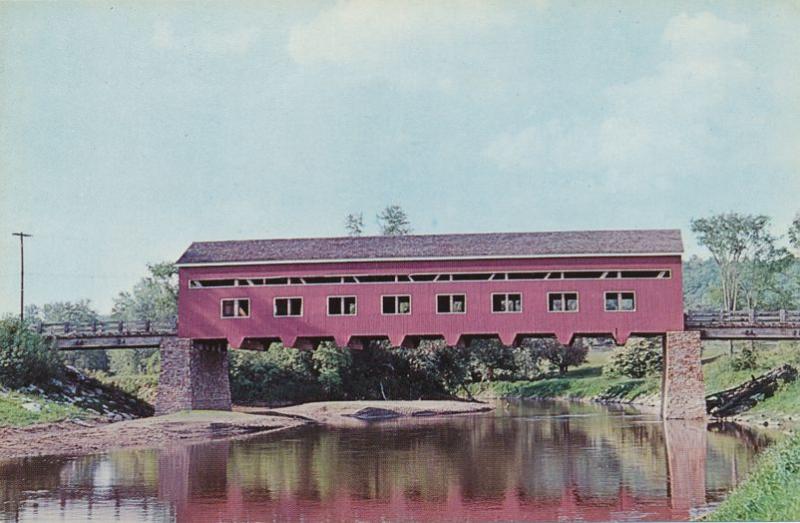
{"points": [[463, 246]]}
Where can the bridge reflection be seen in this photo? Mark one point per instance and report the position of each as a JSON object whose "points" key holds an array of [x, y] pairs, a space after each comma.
{"points": [[517, 464]]}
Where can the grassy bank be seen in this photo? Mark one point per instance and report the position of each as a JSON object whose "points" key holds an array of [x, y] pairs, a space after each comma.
{"points": [[19, 409], [584, 382], [770, 492], [720, 374], [589, 381]]}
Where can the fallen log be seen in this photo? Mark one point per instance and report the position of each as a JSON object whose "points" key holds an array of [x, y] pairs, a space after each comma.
{"points": [[739, 399]]}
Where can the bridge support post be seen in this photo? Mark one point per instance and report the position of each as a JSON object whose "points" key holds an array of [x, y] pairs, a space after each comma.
{"points": [[682, 387], [194, 375]]}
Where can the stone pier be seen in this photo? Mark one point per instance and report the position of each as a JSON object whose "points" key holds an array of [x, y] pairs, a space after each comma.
{"points": [[194, 375], [682, 387]]}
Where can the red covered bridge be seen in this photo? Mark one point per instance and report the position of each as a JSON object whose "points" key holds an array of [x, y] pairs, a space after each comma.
{"points": [[352, 290]]}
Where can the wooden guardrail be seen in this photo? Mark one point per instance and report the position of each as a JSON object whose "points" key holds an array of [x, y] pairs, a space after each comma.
{"points": [[754, 318], [106, 328]]}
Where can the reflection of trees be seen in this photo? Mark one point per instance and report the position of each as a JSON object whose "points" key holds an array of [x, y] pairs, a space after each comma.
{"points": [[79, 483], [732, 449], [526, 453], [20, 476], [575, 447]]}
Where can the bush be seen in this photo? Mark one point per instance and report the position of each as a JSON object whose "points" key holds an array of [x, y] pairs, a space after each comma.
{"points": [[746, 359], [277, 375], [331, 365], [639, 357], [560, 356], [25, 357]]}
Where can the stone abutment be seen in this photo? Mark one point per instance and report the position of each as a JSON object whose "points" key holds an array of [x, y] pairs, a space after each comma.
{"points": [[194, 375]]}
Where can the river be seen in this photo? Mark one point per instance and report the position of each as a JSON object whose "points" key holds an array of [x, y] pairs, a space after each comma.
{"points": [[525, 461]]}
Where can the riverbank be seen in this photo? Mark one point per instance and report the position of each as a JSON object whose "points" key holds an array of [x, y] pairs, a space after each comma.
{"points": [[589, 383], [584, 383], [770, 492], [75, 437]]}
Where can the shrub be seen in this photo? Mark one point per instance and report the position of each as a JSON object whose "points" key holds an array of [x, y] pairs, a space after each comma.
{"points": [[331, 365], [560, 356], [25, 357], [639, 357], [279, 374], [746, 359]]}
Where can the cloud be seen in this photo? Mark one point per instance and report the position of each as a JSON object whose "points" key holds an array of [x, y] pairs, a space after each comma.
{"points": [[669, 123], [553, 146], [702, 31], [237, 41], [372, 31]]}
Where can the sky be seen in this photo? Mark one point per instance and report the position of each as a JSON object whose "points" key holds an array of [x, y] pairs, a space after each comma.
{"points": [[129, 130]]}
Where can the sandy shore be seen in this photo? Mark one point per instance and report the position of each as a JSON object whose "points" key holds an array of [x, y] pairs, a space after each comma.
{"points": [[354, 413], [87, 437]]}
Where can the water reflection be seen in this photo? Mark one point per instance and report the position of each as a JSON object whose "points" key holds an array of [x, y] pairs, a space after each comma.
{"points": [[526, 461]]}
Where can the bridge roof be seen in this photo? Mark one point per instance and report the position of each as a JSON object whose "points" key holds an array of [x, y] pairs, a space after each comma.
{"points": [[437, 246]]}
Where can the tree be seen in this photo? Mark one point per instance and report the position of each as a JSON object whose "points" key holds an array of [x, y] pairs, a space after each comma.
{"points": [[638, 358], [26, 358], [701, 289], [760, 282], [559, 355], [80, 311], [736, 241], [794, 232], [393, 221], [154, 297], [354, 224]]}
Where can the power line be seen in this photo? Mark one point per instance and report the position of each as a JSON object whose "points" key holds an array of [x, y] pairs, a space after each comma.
{"points": [[22, 236]]}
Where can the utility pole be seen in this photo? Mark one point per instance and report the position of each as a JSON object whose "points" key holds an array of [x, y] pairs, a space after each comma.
{"points": [[22, 237]]}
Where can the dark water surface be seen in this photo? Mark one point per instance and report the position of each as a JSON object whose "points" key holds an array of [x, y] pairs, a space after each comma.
{"points": [[525, 461]]}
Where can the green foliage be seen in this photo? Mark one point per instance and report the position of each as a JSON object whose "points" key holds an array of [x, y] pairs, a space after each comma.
{"points": [[560, 356], [331, 365], [354, 224], [745, 359], [80, 311], [154, 297], [638, 358], [393, 221], [143, 386], [770, 492], [794, 232], [25, 357], [279, 374], [133, 361], [13, 413], [701, 284], [746, 254], [490, 360]]}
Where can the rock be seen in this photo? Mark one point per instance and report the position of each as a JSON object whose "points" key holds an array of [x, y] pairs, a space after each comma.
{"points": [[32, 407], [373, 413]]}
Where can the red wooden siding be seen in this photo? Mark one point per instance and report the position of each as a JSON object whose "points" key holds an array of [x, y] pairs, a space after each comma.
{"points": [[659, 305]]}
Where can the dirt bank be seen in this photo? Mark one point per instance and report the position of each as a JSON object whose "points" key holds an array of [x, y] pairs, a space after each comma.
{"points": [[87, 437], [71, 438]]}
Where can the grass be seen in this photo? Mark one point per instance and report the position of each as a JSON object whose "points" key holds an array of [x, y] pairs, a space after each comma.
{"points": [[13, 413], [719, 375], [586, 381], [770, 493], [143, 386]]}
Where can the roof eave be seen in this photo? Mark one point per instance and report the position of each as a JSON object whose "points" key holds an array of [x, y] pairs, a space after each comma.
{"points": [[427, 258]]}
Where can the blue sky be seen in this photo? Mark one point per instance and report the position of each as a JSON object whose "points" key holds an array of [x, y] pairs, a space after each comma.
{"points": [[128, 130]]}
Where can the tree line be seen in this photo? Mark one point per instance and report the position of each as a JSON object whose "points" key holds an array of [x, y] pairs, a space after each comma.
{"points": [[749, 267]]}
